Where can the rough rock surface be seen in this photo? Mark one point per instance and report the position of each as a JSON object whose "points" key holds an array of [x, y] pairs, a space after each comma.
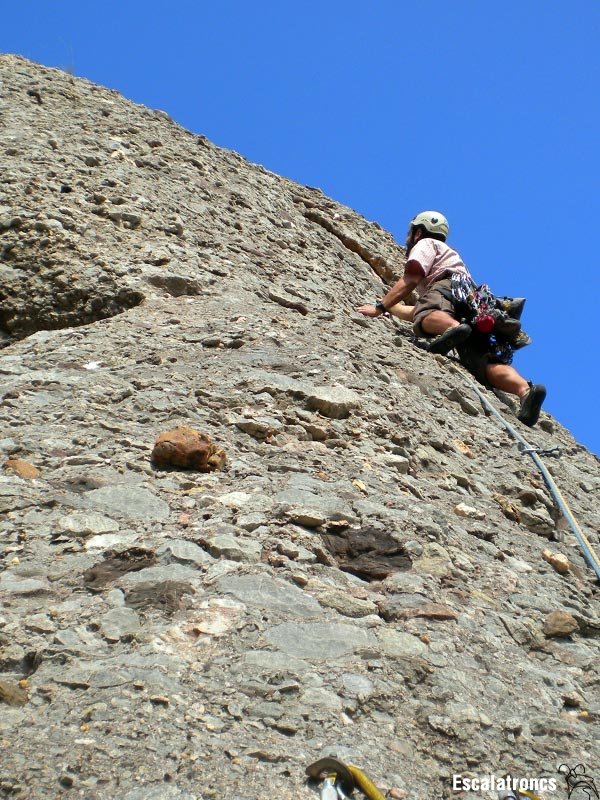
{"points": [[187, 635]]}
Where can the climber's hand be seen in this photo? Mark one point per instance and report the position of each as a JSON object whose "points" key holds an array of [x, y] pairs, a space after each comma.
{"points": [[369, 311]]}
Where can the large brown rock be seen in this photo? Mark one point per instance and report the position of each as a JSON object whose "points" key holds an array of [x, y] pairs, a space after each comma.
{"points": [[560, 623], [188, 449]]}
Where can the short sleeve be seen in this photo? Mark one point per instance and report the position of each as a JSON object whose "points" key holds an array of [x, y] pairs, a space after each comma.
{"points": [[424, 253]]}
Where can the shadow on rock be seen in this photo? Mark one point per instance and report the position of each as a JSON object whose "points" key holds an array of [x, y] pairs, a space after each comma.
{"points": [[116, 565], [369, 554]]}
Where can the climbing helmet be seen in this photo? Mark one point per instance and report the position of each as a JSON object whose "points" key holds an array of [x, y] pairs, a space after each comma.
{"points": [[432, 221]]}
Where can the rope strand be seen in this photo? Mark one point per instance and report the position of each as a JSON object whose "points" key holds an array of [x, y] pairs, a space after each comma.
{"points": [[586, 548]]}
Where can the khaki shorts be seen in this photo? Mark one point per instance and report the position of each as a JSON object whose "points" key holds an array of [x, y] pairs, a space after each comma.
{"points": [[433, 300]]}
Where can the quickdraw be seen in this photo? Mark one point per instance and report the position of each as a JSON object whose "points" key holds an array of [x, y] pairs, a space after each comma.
{"points": [[339, 780], [550, 451]]}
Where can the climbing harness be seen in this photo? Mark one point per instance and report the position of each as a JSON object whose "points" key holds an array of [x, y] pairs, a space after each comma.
{"points": [[480, 308], [479, 300], [584, 544]]}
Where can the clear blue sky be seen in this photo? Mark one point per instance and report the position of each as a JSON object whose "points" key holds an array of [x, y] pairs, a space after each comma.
{"points": [[486, 111]]}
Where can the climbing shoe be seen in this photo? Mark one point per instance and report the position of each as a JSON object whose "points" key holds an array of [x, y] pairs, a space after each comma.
{"points": [[450, 339], [531, 403]]}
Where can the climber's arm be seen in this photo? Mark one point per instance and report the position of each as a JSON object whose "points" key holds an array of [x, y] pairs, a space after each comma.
{"points": [[413, 274]]}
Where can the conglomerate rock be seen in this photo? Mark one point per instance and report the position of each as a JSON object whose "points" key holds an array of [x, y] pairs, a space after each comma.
{"points": [[187, 635]]}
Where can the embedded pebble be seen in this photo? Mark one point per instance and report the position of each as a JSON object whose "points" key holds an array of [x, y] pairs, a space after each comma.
{"points": [[560, 623]]}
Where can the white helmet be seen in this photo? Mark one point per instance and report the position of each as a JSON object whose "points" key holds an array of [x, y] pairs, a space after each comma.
{"points": [[432, 221]]}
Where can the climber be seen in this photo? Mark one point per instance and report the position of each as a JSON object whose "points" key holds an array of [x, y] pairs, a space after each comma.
{"points": [[446, 290]]}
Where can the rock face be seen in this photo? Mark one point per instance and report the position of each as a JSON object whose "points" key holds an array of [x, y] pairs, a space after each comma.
{"points": [[365, 576]]}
